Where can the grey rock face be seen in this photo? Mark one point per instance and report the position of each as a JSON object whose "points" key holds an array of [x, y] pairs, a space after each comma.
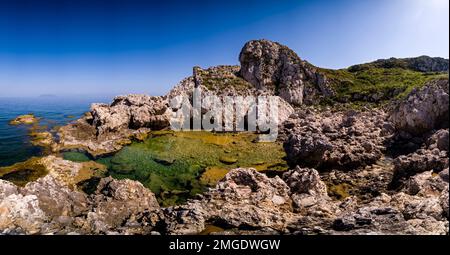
{"points": [[439, 140], [424, 109], [50, 205], [420, 161], [398, 214], [132, 111], [273, 67], [421, 64], [307, 189], [343, 139]]}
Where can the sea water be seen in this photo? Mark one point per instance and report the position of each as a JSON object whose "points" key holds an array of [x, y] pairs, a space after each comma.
{"points": [[15, 144]]}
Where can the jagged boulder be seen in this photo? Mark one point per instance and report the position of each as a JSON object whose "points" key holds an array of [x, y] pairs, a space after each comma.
{"points": [[244, 198], [306, 187], [424, 109], [422, 160]]}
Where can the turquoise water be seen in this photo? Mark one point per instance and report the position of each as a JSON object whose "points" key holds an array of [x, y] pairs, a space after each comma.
{"points": [[54, 111]]}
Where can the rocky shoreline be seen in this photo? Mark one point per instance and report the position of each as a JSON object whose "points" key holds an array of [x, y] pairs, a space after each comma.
{"points": [[379, 170]]}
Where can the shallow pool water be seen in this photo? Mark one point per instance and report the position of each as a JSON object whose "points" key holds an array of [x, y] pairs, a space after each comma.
{"points": [[178, 165]]}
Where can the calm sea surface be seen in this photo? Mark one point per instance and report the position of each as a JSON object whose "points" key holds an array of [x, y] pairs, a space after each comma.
{"points": [[53, 111]]}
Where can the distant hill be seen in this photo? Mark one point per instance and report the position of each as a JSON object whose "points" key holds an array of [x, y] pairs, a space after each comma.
{"points": [[47, 96], [420, 64], [385, 79]]}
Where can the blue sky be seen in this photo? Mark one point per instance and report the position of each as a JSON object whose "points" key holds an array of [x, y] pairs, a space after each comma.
{"points": [[117, 47]]}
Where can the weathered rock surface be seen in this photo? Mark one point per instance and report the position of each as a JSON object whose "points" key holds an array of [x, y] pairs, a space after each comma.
{"points": [[275, 68], [421, 64], [246, 199], [26, 119], [420, 161], [47, 206], [122, 206], [107, 128], [423, 110], [67, 172], [343, 139]]}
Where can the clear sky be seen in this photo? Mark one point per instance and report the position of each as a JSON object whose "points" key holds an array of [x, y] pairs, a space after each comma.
{"points": [[117, 47]]}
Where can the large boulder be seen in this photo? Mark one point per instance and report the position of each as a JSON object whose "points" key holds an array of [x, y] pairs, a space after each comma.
{"points": [[306, 187], [244, 198], [122, 205], [335, 139], [424, 109], [417, 162], [132, 111]]}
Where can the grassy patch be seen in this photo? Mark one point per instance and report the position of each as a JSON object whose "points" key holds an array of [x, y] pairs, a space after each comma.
{"points": [[376, 85]]}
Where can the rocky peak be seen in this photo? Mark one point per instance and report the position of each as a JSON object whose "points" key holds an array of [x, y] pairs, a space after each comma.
{"points": [[273, 67]]}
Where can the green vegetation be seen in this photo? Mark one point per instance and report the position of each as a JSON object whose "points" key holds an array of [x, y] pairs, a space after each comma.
{"points": [[376, 85]]}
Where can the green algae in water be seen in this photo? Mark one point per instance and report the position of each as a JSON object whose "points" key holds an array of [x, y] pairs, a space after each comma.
{"points": [[76, 156], [171, 164], [23, 172]]}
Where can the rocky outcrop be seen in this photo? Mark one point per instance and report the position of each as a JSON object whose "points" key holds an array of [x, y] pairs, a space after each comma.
{"points": [[26, 119], [397, 214], [225, 81], [122, 206], [249, 201], [423, 110], [335, 140], [132, 111], [66, 172], [107, 128], [420, 161], [52, 205], [307, 188], [275, 68], [244, 198]]}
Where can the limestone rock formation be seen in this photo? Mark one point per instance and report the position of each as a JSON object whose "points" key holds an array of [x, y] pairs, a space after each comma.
{"points": [[244, 198], [107, 128], [306, 186], [275, 68], [421, 64], [424, 109], [122, 206]]}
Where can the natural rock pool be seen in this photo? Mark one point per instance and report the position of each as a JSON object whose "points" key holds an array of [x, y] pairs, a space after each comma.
{"points": [[178, 165]]}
